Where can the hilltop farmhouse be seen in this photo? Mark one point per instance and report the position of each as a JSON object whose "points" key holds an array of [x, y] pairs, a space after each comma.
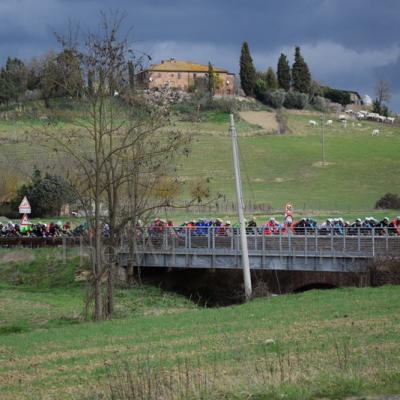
{"points": [[185, 76], [355, 97]]}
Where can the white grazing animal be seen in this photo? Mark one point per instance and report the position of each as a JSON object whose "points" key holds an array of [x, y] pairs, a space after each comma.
{"points": [[375, 132], [329, 122], [311, 122], [360, 115]]}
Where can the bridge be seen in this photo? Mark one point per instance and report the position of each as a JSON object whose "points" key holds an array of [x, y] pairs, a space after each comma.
{"points": [[208, 262], [207, 248], [308, 251]]}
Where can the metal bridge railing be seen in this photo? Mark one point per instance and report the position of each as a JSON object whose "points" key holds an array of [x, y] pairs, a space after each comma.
{"points": [[349, 242]]}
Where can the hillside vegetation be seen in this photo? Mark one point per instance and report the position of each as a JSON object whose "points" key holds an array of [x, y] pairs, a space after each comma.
{"points": [[276, 169], [329, 344]]}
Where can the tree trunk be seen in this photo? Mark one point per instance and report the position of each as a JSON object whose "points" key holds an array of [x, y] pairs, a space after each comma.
{"points": [[46, 102], [110, 290], [98, 313], [98, 300]]}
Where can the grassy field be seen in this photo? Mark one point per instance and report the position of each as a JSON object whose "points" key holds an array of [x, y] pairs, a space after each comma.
{"points": [[329, 344], [318, 344], [276, 169]]}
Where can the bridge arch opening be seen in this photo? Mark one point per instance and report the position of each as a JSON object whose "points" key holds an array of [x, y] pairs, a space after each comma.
{"points": [[315, 285]]}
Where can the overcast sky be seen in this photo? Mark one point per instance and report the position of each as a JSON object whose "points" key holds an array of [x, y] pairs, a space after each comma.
{"points": [[348, 44]]}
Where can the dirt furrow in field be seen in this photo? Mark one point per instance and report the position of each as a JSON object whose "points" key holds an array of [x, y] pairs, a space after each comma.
{"points": [[267, 120]]}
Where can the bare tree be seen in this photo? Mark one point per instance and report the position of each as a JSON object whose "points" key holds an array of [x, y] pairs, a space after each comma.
{"points": [[383, 91], [120, 150]]}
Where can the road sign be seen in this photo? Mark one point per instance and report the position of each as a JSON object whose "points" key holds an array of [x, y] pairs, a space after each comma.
{"points": [[288, 214], [25, 207], [25, 220], [288, 210]]}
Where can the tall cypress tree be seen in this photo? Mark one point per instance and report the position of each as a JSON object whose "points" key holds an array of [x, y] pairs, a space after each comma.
{"points": [[247, 71], [15, 75], [301, 77], [283, 73], [211, 80], [270, 79]]}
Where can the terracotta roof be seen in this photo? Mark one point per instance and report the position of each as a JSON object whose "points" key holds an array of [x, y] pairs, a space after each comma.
{"points": [[182, 66]]}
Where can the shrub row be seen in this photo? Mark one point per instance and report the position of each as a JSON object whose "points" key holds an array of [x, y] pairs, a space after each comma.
{"points": [[279, 98]]}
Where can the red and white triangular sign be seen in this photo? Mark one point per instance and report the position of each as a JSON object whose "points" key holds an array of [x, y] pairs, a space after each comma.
{"points": [[25, 220], [25, 207]]}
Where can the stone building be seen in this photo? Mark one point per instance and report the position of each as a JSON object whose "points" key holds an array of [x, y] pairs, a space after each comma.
{"points": [[355, 97], [185, 76]]}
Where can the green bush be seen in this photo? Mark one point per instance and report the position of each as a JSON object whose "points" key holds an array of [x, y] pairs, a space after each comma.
{"points": [[389, 201], [46, 194], [185, 107], [190, 108], [276, 98], [320, 103], [296, 100], [260, 90], [223, 104]]}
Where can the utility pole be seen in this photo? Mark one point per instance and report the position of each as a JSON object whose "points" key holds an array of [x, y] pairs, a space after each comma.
{"points": [[322, 140], [240, 207]]}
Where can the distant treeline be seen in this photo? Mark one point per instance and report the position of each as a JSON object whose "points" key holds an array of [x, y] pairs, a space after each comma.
{"points": [[290, 87], [50, 76]]}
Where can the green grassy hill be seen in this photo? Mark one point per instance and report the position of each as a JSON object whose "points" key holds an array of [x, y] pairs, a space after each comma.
{"points": [[276, 169], [318, 344]]}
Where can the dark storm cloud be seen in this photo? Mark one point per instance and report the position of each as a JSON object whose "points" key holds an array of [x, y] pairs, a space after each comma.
{"points": [[390, 72], [346, 42]]}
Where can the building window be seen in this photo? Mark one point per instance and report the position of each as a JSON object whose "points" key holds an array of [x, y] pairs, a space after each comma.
{"points": [[179, 75], [172, 75], [194, 75]]}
